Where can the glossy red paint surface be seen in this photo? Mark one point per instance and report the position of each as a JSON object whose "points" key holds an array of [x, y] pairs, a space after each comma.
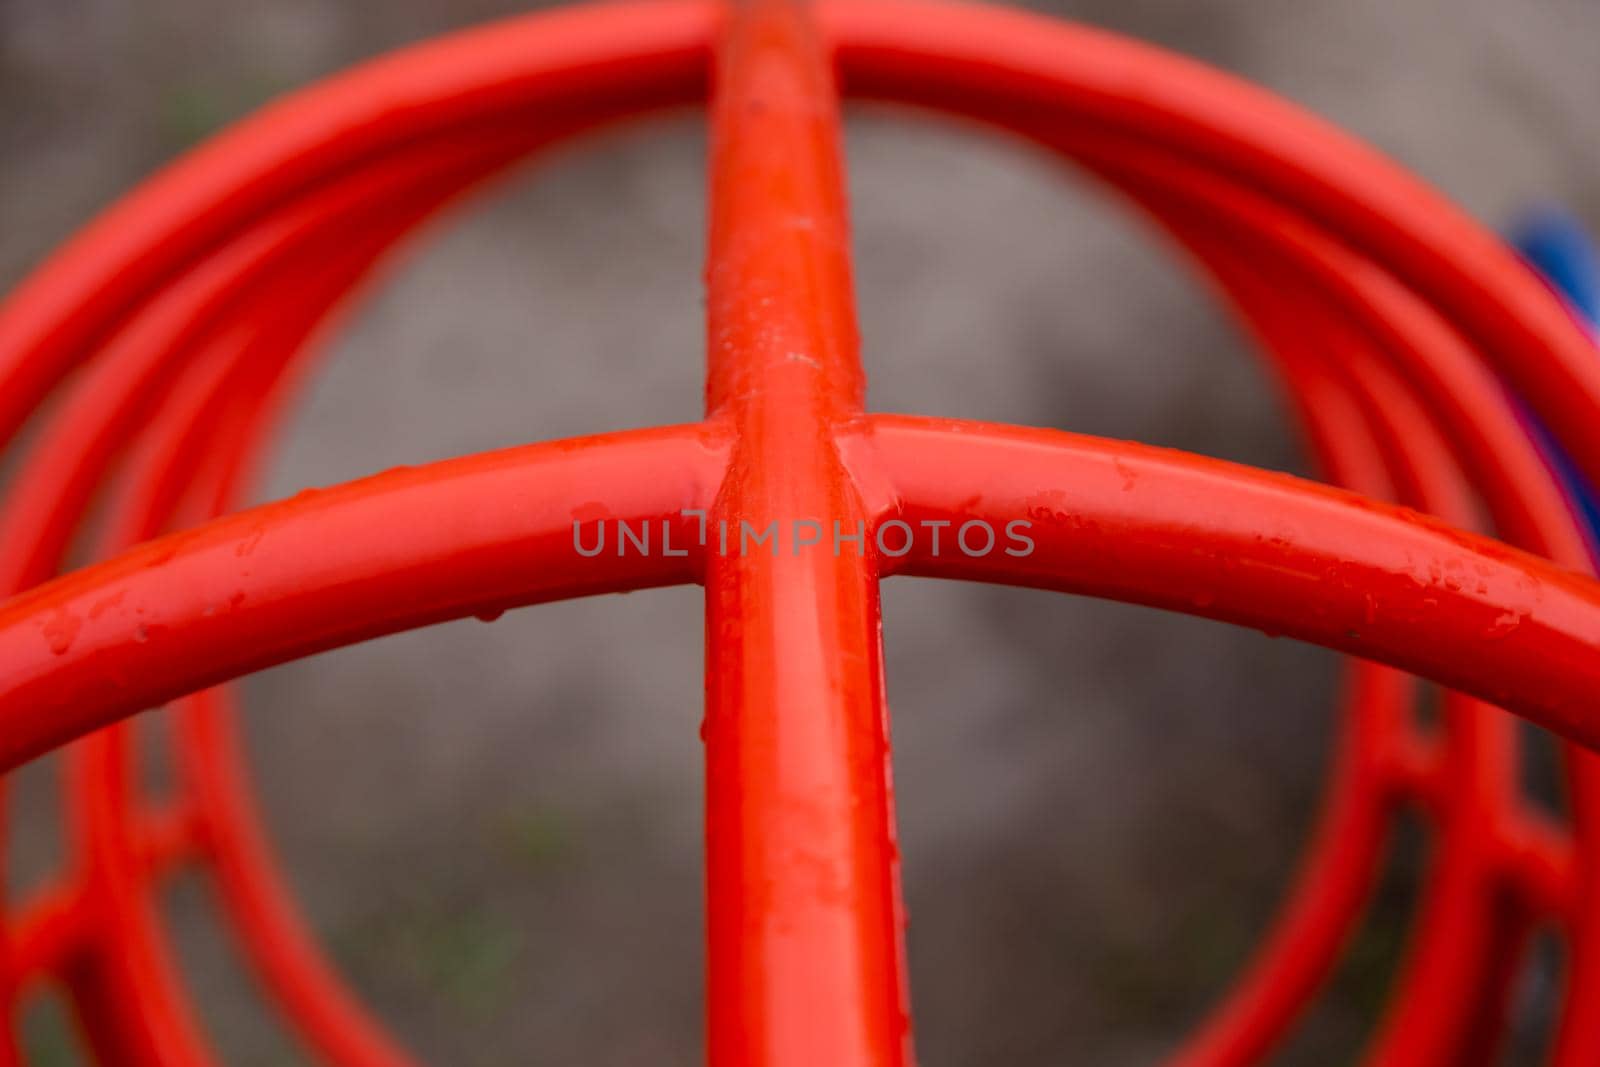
{"points": [[802, 895], [332, 566], [1269, 551], [1389, 316]]}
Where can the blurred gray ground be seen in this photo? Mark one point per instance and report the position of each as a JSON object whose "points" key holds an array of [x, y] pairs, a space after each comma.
{"points": [[496, 827]]}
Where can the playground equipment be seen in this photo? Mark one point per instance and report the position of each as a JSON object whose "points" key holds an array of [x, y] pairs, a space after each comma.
{"points": [[172, 331]]}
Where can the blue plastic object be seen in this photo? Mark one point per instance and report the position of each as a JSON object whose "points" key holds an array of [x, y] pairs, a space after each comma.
{"points": [[1558, 246]]}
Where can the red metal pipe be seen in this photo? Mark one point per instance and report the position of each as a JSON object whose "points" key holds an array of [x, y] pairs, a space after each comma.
{"points": [[328, 567], [801, 866], [1209, 538]]}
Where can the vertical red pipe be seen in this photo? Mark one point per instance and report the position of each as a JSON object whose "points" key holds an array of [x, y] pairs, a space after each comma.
{"points": [[804, 927]]}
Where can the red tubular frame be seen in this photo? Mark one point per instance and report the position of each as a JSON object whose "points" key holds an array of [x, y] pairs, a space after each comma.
{"points": [[1268, 551], [1388, 315], [802, 878]]}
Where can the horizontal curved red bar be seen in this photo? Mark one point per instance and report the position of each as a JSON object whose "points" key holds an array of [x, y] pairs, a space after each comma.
{"points": [[402, 549], [1201, 536], [1131, 522]]}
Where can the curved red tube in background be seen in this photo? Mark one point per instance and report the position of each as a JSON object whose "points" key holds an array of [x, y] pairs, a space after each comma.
{"points": [[188, 295]]}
